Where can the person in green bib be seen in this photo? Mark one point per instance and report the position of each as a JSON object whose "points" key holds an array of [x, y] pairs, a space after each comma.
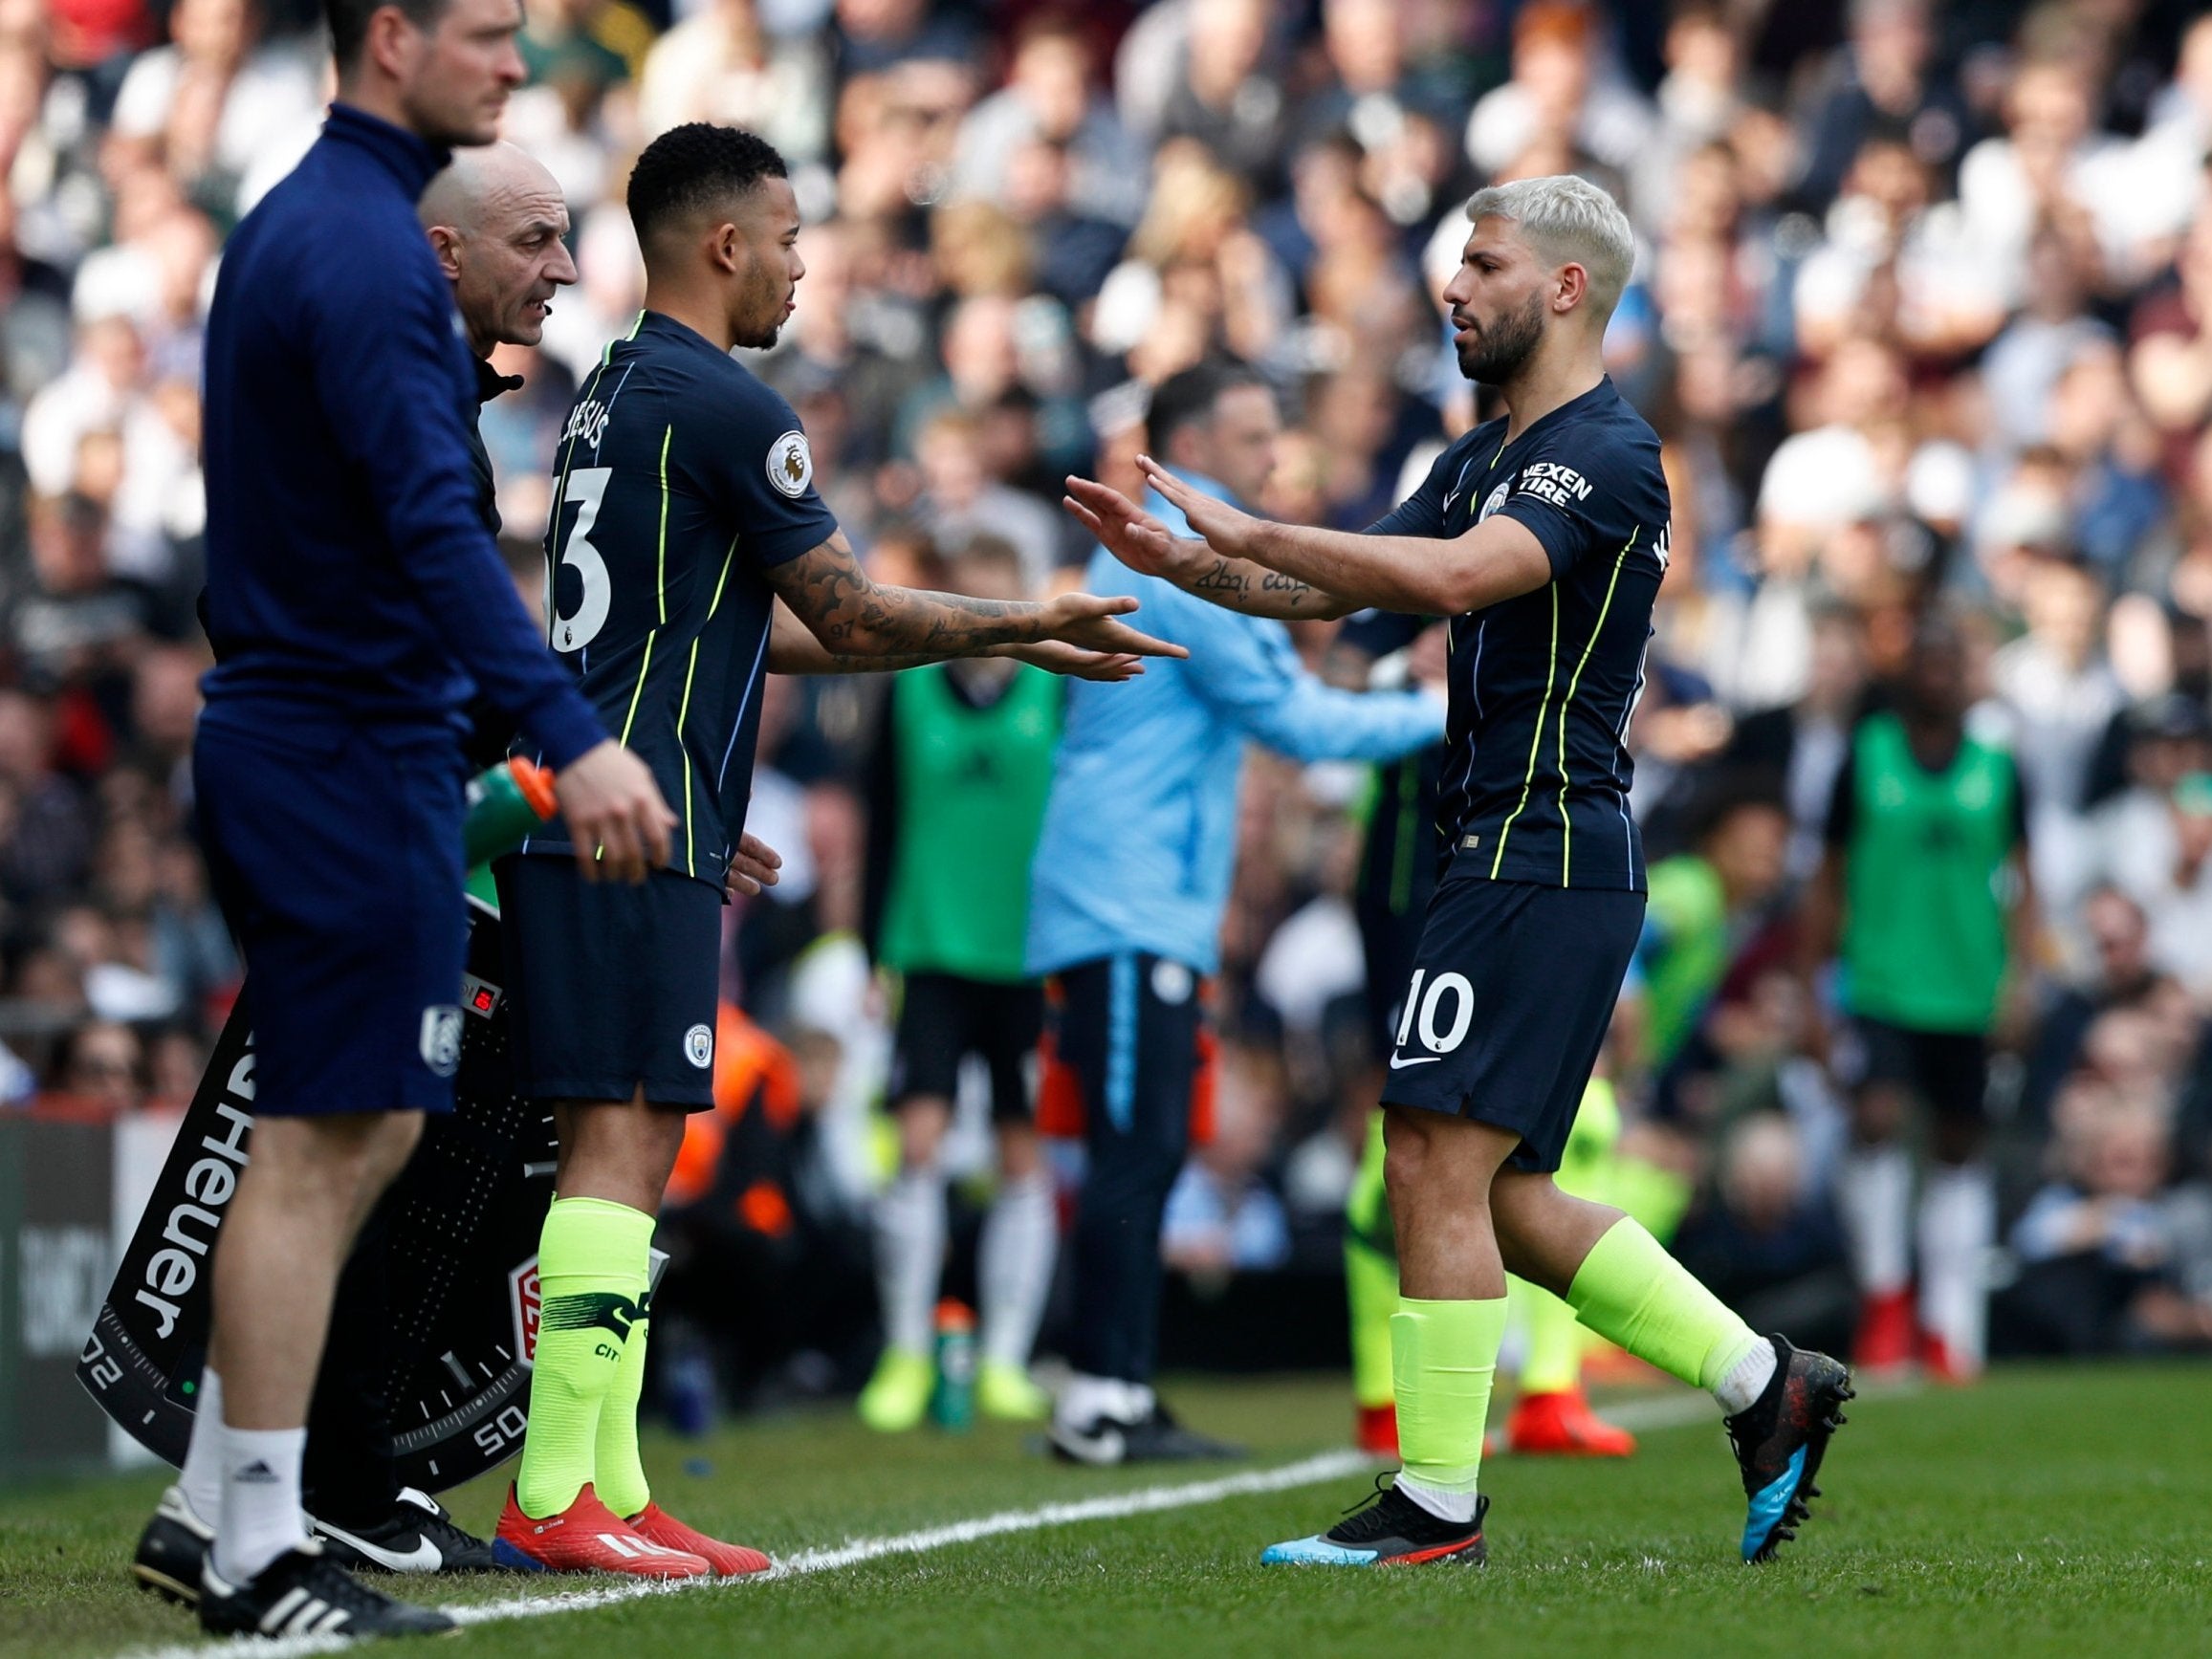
{"points": [[1925, 903], [963, 764]]}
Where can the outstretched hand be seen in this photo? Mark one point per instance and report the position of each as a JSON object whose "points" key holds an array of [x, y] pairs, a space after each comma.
{"points": [[1220, 526], [1059, 657], [1087, 621], [1124, 528]]}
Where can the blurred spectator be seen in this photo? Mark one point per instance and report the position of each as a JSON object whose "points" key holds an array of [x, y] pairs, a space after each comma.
{"points": [[1704, 906], [1884, 75], [2110, 1260], [1049, 96], [1766, 1241], [1222, 1217], [216, 100], [102, 1064], [1563, 101], [721, 65]]}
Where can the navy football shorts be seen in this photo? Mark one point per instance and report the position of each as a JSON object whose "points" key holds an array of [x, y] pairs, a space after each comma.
{"points": [[945, 1017], [612, 986], [1512, 991], [335, 852]]}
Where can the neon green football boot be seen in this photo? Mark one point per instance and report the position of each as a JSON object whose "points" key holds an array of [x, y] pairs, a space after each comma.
{"points": [[1005, 1392], [898, 1395]]}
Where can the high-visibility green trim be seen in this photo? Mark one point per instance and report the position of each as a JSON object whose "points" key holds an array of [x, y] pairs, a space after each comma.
{"points": [[682, 712], [715, 604], [644, 668], [661, 548], [1535, 741], [1566, 825]]}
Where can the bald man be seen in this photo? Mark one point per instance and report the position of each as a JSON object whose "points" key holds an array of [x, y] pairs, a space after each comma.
{"points": [[498, 224]]}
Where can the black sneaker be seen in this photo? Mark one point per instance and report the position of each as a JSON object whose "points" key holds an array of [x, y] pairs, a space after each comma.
{"points": [[172, 1549], [1387, 1530], [1157, 1437], [417, 1537], [304, 1593], [1780, 1439]]}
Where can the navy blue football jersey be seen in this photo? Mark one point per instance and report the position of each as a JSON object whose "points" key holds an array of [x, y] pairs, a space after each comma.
{"points": [[680, 481], [1536, 779]]}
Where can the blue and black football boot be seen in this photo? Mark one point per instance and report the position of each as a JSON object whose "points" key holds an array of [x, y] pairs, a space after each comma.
{"points": [[1780, 1439]]}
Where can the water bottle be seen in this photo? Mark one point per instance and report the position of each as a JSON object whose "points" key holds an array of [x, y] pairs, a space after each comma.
{"points": [[953, 1405], [505, 803]]}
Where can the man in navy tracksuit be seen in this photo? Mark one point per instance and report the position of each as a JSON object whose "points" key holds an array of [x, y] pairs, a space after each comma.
{"points": [[355, 602]]}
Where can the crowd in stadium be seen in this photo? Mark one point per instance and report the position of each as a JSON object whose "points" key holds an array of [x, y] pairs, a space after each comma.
{"points": [[1922, 312]]}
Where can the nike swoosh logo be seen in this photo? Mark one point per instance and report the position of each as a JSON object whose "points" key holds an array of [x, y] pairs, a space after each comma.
{"points": [[1399, 1065], [424, 1557]]}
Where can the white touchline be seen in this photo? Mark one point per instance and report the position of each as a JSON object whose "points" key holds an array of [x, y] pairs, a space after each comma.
{"points": [[1113, 1506], [1676, 1408]]}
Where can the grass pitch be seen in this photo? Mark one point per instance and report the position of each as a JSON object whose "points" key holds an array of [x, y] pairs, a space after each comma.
{"points": [[2055, 1512]]}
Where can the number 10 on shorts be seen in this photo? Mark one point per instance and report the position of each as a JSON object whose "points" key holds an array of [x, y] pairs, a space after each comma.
{"points": [[1425, 1013]]}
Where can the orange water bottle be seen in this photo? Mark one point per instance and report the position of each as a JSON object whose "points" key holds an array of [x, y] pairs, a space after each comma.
{"points": [[505, 803], [953, 1405]]}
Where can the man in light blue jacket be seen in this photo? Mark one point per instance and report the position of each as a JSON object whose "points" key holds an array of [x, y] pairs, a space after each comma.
{"points": [[1127, 894]]}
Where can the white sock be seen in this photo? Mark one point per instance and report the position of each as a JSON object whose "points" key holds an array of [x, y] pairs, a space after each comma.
{"points": [[1453, 1506], [1746, 1377], [201, 1479], [1085, 1399], [1013, 1267], [1957, 1224], [910, 1256], [261, 1512], [1874, 1194]]}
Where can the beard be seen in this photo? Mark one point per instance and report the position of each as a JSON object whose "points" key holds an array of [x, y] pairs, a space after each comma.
{"points": [[1501, 351], [768, 303]]}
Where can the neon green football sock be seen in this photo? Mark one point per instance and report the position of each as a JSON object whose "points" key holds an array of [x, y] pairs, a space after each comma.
{"points": [[1556, 1343], [1554, 1359], [1631, 1291], [1370, 1274], [1584, 1162], [1372, 1287], [1658, 1198], [618, 1474], [591, 1275], [1443, 1355]]}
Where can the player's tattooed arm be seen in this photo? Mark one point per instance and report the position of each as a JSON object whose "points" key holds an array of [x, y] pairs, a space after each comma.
{"points": [[1499, 559], [1145, 544], [793, 649], [851, 615]]}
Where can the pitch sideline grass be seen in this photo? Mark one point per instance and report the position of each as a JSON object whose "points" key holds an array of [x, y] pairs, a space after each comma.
{"points": [[2047, 1512]]}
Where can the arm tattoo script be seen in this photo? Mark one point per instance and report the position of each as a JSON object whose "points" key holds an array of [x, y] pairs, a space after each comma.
{"points": [[1237, 579], [1222, 579]]}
